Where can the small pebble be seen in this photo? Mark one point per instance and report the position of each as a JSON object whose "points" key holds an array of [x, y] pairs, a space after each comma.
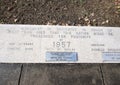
{"points": [[94, 20], [15, 20], [48, 23], [86, 19], [54, 21], [92, 14], [107, 21]]}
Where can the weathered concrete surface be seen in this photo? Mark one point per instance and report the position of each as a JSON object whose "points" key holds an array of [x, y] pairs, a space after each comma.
{"points": [[9, 74], [111, 73], [61, 74]]}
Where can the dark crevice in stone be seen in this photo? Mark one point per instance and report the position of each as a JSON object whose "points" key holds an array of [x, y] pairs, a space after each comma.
{"points": [[20, 74], [102, 75]]}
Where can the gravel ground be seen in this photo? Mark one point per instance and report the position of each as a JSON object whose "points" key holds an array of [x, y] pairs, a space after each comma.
{"points": [[60, 12]]}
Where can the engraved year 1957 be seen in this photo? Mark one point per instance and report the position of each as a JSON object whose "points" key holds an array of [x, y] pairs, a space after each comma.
{"points": [[61, 44]]}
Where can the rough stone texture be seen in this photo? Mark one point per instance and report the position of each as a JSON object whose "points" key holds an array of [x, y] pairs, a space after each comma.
{"points": [[111, 73], [61, 74], [9, 74]]}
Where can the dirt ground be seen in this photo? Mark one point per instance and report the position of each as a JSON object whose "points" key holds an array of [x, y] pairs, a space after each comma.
{"points": [[59, 12]]}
